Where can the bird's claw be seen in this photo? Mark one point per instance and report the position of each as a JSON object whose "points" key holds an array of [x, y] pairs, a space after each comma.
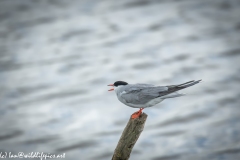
{"points": [[137, 114]]}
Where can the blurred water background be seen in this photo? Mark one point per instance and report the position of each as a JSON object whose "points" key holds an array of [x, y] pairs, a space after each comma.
{"points": [[57, 57]]}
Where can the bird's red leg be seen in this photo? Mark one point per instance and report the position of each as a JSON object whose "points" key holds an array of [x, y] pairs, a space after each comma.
{"points": [[137, 114]]}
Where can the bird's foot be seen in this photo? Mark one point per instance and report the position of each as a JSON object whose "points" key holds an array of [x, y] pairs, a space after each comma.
{"points": [[137, 114]]}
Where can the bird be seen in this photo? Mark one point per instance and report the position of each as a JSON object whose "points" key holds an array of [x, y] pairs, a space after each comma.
{"points": [[146, 95]]}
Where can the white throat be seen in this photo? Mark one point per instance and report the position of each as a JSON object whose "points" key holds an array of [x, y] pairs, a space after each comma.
{"points": [[117, 89]]}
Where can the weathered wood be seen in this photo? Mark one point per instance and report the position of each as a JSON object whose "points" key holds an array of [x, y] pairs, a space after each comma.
{"points": [[129, 137]]}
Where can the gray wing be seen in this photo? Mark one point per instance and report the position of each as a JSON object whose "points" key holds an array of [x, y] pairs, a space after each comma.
{"points": [[143, 85], [143, 93]]}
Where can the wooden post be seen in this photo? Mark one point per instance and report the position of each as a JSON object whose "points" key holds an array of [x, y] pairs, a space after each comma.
{"points": [[129, 137]]}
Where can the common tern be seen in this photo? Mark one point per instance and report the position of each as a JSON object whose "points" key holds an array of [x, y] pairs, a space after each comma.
{"points": [[146, 95]]}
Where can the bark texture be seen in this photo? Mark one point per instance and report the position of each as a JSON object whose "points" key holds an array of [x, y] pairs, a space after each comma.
{"points": [[129, 137]]}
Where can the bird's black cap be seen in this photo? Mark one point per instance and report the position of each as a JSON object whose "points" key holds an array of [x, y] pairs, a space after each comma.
{"points": [[118, 83]]}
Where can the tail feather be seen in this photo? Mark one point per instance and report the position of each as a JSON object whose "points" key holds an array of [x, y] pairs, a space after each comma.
{"points": [[188, 84], [185, 83], [174, 88]]}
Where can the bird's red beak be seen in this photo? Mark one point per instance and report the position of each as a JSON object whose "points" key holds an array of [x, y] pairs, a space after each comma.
{"points": [[111, 88]]}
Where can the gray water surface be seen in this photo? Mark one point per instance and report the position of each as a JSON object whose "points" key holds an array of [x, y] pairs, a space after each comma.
{"points": [[57, 57]]}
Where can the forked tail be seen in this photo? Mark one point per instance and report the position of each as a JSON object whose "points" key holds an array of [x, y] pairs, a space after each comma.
{"points": [[174, 88], [188, 84]]}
